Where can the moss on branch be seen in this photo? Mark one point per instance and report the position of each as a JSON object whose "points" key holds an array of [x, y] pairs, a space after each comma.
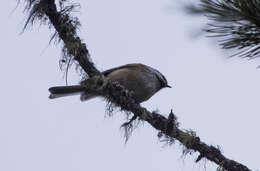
{"points": [[117, 94]]}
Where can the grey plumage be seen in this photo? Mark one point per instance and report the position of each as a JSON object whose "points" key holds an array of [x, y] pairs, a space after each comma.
{"points": [[143, 80]]}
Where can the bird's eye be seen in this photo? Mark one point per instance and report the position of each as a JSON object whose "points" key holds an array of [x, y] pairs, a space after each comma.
{"points": [[163, 84]]}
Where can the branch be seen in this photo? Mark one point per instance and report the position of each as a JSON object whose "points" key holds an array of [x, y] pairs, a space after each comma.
{"points": [[236, 22], [66, 29], [167, 126], [122, 98], [73, 43]]}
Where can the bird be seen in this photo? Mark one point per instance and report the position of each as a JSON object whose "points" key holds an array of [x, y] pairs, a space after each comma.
{"points": [[144, 81]]}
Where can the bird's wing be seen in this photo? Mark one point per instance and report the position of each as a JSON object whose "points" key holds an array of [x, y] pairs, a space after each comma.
{"points": [[105, 73]]}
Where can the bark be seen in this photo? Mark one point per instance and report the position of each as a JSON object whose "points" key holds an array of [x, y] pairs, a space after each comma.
{"points": [[122, 97]]}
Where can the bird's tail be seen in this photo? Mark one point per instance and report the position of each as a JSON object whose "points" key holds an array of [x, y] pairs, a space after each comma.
{"points": [[62, 91]]}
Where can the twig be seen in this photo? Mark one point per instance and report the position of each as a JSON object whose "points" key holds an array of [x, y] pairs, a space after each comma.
{"points": [[122, 98]]}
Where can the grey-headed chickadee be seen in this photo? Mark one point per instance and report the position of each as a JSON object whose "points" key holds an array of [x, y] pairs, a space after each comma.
{"points": [[143, 80]]}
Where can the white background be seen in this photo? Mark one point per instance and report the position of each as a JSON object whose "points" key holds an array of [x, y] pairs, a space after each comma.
{"points": [[215, 96]]}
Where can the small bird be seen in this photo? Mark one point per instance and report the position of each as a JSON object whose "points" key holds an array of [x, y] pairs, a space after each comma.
{"points": [[144, 81]]}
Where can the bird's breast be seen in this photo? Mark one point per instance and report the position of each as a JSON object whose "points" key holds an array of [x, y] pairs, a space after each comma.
{"points": [[143, 84]]}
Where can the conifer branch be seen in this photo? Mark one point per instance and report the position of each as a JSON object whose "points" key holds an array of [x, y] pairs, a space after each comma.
{"points": [[168, 127], [235, 22]]}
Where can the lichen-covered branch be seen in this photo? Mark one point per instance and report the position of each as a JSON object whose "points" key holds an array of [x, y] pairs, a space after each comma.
{"points": [[119, 96], [65, 28], [169, 127], [72, 42]]}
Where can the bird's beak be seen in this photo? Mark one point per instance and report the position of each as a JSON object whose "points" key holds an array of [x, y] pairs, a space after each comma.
{"points": [[168, 86]]}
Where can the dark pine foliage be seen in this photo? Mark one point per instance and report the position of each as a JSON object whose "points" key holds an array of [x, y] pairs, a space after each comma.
{"points": [[235, 22]]}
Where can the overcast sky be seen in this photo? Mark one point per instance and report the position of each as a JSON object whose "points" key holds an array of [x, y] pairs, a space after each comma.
{"points": [[212, 95]]}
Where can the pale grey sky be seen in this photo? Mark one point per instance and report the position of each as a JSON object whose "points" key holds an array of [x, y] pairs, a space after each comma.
{"points": [[215, 96]]}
